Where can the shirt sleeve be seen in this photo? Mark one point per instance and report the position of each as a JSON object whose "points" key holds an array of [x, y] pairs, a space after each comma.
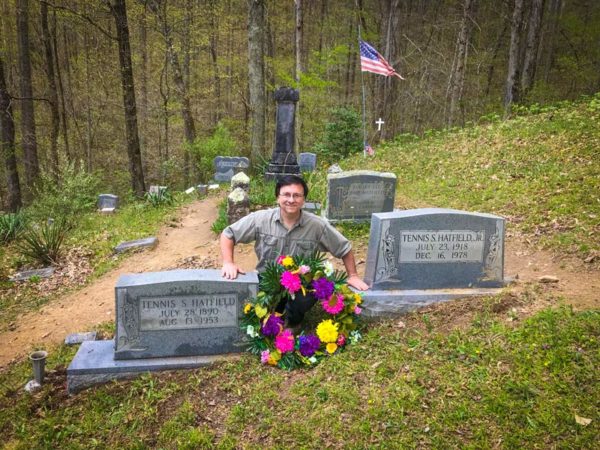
{"points": [[334, 241], [242, 231]]}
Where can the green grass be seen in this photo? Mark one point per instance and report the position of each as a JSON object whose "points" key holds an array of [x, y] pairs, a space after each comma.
{"points": [[490, 384], [541, 171]]}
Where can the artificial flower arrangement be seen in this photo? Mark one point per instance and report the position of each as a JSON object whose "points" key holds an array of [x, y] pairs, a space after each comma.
{"points": [[289, 277]]}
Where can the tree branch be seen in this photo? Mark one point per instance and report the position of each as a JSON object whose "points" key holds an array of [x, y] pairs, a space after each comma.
{"points": [[81, 16]]}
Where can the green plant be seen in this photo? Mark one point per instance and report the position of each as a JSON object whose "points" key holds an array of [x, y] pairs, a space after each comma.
{"points": [[204, 150], [43, 243], [160, 198], [74, 193], [11, 225], [342, 135]]}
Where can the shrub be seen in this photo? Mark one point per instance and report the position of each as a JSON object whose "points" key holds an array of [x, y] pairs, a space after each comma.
{"points": [[11, 225], [43, 243], [73, 194], [342, 135], [160, 198], [204, 150]]}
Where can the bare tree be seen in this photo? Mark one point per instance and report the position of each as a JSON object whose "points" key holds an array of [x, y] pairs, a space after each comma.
{"points": [[256, 76], [52, 93], [28, 137], [298, 67], [119, 12], [532, 45], [512, 94], [457, 76], [7, 144]]}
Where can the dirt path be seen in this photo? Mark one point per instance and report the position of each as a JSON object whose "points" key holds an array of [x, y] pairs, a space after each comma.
{"points": [[193, 245]]}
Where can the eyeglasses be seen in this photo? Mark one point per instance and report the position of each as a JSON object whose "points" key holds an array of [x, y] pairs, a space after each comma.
{"points": [[288, 196]]}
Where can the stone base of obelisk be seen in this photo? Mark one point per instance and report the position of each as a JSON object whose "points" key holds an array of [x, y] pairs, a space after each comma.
{"points": [[278, 171]]}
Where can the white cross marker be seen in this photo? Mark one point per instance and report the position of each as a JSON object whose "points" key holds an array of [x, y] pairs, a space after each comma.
{"points": [[379, 123]]}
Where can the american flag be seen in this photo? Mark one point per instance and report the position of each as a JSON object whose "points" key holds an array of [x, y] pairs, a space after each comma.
{"points": [[369, 150], [372, 61]]}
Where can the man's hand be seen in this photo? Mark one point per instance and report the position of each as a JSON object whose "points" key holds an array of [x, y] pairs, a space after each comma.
{"points": [[230, 271], [356, 282]]}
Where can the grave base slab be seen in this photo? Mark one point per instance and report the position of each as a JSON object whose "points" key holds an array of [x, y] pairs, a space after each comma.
{"points": [[382, 304], [94, 364]]}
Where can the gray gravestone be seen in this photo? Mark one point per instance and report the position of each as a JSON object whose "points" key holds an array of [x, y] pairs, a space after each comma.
{"points": [[78, 338], [108, 202], [180, 313], [138, 243], [38, 273], [312, 207], [307, 162], [355, 195], [283, 162], [158, 190], [417, 257], [227, 166], [202, 189]]}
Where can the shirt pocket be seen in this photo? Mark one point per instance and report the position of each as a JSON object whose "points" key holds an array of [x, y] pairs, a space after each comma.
{"points": [[304, 247], [267, 247]]}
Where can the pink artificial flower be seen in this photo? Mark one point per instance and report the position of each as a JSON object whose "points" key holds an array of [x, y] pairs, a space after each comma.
{"points": [[341, 340], [334, 305], [284, 342], [280, 259], [303, 269], [357, 310], [264, 356], [291, 281]]}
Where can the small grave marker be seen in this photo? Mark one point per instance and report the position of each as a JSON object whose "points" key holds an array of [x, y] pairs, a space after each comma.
{"points": [[108, 203], [149, 242], [307, 162], [227, 166]]}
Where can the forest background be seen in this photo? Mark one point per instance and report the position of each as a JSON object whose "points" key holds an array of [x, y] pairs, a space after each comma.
{"points": [[148, 92]]}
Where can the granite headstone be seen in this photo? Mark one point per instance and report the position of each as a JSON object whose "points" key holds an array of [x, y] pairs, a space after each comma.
{"points": [[108, 202], [180, 313], [227, 166], [355, 195], [422, 256], [307, 162]]}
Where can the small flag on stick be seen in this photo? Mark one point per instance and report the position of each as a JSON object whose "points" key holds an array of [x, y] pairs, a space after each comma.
{"points": [[369, 150], [372, 61]]}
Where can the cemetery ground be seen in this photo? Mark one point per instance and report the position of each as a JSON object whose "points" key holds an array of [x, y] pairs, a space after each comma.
{"points": [[514, 371]]}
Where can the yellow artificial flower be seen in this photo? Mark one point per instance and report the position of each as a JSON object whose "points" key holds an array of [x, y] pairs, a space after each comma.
{"points": [[288, 261], [331, 348], [327, 331], [274, 358], [247, 308], [357, 299], [261, 311]]}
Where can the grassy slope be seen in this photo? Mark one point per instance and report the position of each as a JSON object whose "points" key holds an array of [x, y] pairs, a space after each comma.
{"points": [[494, 381]]}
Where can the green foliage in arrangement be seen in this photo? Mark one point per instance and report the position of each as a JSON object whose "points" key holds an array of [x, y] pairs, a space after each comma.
{"points": [[74, 193], [11, 226], [43, 244], [342, 135], [204, 150], [160, 198]]}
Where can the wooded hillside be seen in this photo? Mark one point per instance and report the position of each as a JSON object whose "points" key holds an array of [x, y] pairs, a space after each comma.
{"points": [[135, 90]]}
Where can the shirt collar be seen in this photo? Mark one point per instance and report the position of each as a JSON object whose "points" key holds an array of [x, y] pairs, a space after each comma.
{"points": [[300, 222]]}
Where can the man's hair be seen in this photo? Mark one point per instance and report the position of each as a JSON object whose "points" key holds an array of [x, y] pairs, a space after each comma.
{"points": [[288, 180]]}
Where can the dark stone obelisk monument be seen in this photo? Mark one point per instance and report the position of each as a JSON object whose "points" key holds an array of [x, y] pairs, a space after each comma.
{"points": [[284, 162]]}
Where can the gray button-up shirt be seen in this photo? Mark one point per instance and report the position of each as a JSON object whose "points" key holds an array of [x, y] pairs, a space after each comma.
{"points": [[272, 238]]}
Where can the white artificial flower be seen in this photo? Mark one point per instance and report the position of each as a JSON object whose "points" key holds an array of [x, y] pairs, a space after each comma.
{"points": [[250, 331], [328, 268]]}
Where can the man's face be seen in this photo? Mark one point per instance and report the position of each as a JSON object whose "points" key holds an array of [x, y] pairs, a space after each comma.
{"points": [[291, 198]]}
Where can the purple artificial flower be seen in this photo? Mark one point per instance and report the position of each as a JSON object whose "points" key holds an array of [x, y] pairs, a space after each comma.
{"points": [[323, 288], [272, 326], [309, 345]]}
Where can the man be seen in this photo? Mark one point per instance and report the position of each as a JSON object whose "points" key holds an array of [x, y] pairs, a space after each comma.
{"points": [[287, 230]]}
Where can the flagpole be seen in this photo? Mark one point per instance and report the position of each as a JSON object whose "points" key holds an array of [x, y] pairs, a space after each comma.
{"points": [[362, 83]]}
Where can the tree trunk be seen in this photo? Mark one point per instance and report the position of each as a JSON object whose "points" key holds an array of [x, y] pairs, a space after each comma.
{"points": [[189, 127], [144, 84], [28, 138], [119, 11], [256, 77], [213, 39], [298, 70], [511, 94], [457, 77], [61, 91], [554, 11], [7, 144], [532, 46], [53, 96]]}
